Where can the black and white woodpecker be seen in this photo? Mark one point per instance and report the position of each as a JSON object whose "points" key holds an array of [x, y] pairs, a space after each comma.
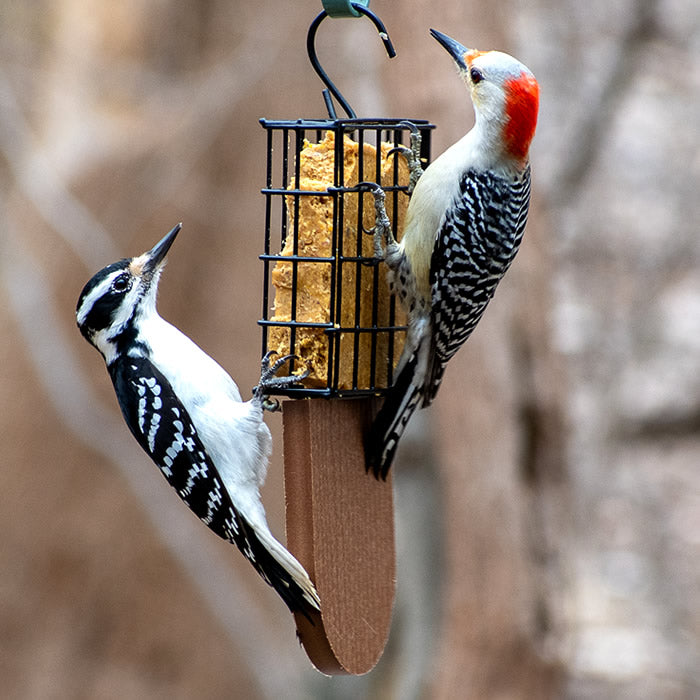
{"points": [[464, 224], [187, 414]]}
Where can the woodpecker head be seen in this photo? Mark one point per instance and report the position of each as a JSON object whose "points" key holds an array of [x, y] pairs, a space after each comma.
{"points": [[114, 300], [504, 92]]}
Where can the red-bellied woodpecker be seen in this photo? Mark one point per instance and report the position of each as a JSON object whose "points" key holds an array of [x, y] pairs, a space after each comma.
{"points": [[464, 225]]}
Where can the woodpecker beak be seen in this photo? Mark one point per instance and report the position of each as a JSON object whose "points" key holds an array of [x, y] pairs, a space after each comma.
{"points": [[154, 257], [454, 48]]}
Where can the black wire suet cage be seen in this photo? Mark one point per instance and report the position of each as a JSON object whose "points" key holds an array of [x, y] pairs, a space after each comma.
{"points": [[325, 298]]}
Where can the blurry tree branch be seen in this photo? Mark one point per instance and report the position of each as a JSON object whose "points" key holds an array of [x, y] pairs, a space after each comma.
{"points": [[204, 104], [49, 194], [601, 111]]}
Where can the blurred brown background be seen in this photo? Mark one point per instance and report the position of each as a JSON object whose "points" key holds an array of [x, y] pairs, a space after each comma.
{"points": [[548, 504]]}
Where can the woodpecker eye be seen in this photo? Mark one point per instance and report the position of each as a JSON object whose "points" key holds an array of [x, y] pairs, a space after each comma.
{"points": [[476, 75], [122, 283]]}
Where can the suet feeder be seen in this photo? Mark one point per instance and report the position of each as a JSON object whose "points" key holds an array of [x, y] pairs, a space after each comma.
{"points": [[326, 300]]}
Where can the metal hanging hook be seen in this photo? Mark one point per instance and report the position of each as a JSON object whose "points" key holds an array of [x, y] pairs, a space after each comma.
{"points": [[330, 86]]}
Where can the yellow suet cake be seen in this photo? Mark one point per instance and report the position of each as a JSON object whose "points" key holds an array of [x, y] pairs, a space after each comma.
{"points": [[313, 288]]}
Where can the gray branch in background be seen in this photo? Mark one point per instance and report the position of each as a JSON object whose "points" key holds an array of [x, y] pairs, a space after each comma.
{"points": [[600, 113], [39, 183]]}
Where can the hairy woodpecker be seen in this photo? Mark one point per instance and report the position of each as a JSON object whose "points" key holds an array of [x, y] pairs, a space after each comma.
{"points": [[187, 413], [464, 224]]}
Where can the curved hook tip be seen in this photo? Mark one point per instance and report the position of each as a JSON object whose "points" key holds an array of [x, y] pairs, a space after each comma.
{"points": [[311, 50], [391, 51], [381, 29]]}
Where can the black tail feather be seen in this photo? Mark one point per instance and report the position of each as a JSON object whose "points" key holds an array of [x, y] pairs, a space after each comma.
{"points": [[273, 572], [388, 426], [436, 370]]}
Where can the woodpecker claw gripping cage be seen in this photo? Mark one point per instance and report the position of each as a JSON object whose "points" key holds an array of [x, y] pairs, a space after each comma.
{"points": [[325, 298]]}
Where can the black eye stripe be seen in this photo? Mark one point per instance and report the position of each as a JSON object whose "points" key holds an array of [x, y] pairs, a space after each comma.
{"points": [[99, 279], [100, 316], [100, 299]]}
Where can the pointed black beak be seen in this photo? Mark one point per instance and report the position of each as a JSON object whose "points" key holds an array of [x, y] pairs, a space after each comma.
{"points": [[454, 48], [155, 256]]}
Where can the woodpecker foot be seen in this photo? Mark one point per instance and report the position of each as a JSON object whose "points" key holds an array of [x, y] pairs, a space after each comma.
{"points": [[381, 231], [269, 381], [412, 156]]}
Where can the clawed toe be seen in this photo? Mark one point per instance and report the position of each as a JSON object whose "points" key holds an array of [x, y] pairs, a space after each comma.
{"points": [[265, 362], [382, 228], [269, 381], [403, 150], [412, 155], [271, 370], [271, 405]]}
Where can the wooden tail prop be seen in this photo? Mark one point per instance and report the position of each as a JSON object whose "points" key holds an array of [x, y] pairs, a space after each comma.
{"points": [[340, 526]]}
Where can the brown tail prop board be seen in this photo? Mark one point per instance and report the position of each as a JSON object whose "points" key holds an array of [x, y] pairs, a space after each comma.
{"points": [[340, 525]]}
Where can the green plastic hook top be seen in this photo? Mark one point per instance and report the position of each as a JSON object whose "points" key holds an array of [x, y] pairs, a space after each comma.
{"points": [[343, 8]]}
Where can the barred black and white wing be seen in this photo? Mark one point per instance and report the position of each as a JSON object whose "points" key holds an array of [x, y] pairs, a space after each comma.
{"points": [[164, 429], [475, 246]]}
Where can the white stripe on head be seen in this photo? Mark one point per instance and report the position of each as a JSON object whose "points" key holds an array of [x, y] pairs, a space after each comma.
{"points": [[100, 290]]}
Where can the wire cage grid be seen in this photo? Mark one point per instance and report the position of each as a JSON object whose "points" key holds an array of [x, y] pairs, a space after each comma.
{"points": [[358, 330]]}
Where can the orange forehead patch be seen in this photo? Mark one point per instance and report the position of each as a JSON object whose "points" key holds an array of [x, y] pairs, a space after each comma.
{"points": [[137, 264], [471, 55], [522, 104]]}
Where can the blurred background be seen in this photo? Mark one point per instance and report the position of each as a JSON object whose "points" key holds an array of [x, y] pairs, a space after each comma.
{"points": [[548, 504]]}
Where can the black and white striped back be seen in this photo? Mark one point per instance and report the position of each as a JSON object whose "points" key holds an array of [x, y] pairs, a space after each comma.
{"points": [[474, 247]]}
